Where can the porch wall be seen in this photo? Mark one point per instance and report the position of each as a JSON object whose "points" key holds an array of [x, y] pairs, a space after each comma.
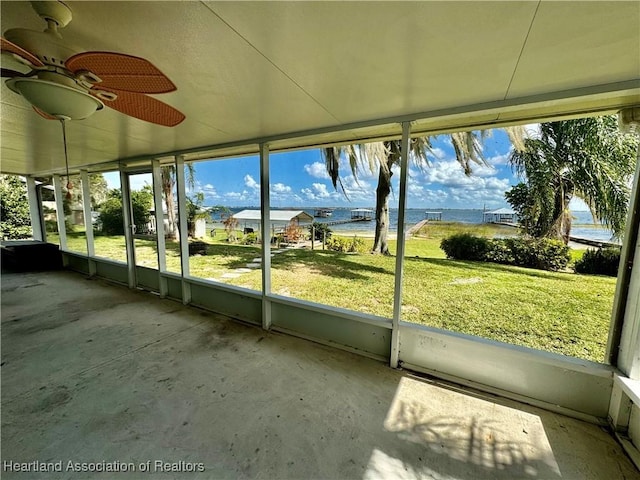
{"points": [[570, 386]]}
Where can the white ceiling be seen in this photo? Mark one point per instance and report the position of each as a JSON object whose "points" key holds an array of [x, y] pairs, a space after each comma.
{"points": [[249, 71]]}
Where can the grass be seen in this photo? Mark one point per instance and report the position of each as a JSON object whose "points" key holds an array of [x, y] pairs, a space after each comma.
{"points": [[559, 312]]}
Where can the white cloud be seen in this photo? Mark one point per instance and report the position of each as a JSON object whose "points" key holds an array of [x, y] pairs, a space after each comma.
{"points": [[209, 191], [320, 190], [251, 183], [502, 159], [317, 170], [533, 130], [358, 189], [280, 188], [235, 195], [308, 193], [438, 153], [450, 174], [445, 184]]}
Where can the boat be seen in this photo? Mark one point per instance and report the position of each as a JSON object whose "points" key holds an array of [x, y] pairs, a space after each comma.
{"points": [[322, 213]]}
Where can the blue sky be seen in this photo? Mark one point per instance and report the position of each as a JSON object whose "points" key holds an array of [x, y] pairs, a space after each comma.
{"points": [[299, 179]]}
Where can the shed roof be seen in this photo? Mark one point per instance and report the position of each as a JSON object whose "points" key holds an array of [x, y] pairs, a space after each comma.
{"points": [[501, 211], [274, 215]]}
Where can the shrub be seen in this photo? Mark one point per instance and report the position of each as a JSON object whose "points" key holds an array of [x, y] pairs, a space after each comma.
{"points": [[111, 217], [349, 245], [250, 238], [544, 253], [499, 252], [15, 220], [541, 253], [603, 261], [465, 246], [321, 229]]}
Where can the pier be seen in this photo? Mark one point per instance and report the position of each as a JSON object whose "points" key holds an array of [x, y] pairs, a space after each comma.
{"points": [[349, 220], [583, 241]]}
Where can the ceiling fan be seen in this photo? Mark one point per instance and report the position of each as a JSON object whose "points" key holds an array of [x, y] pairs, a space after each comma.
{"points": [[63, 84]]}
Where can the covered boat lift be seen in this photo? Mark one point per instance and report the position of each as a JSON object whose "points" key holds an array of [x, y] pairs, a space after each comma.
{"points": [[501, 215]]}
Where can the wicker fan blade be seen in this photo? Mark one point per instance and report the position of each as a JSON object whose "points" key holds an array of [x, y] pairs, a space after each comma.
{"points": [[121, 72], [143, 107], [7, 46], [44, 114]]}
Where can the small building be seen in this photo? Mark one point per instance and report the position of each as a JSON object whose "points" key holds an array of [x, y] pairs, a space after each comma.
{"points": [[502, 215], [278, 218], [433, 216]]}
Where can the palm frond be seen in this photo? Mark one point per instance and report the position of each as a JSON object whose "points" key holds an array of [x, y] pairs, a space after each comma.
{"points": [[517, 135]]}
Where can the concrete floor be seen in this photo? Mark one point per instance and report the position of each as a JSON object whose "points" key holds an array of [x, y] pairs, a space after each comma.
{"points": [[93, 372]]}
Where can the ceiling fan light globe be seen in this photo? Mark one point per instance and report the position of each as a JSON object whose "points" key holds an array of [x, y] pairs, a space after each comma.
{"points": [[55, 99]]}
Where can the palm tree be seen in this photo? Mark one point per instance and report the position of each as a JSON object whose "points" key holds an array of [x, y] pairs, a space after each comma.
{"points": [[385, 155], [586, 158], [168, 177]]}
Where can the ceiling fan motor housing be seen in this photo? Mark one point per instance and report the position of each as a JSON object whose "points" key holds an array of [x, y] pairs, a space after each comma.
{"points": [[47, 46], [53, 10]]}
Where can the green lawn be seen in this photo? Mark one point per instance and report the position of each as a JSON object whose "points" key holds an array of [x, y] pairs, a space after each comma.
{"points": [[554, 311]]}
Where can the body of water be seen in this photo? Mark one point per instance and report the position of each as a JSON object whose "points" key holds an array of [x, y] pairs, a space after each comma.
{"points": [[583, 225], [582, 221]]}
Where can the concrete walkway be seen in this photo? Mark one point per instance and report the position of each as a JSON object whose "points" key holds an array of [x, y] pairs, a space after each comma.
{"points": [[107, 377]]}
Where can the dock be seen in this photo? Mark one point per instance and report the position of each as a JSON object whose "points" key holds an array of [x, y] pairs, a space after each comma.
{"points": [[415, 228], [350, 220], [583, 241]]}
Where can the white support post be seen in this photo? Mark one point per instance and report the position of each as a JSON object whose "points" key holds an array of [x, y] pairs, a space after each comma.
{"points": [[623, 343], [34, 210], [88, 220], [161, 245], [60, 218], [128, 228], [184, 232], [265, 210], [397, 296]]}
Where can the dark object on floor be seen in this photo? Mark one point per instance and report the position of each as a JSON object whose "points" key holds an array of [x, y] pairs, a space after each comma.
{"points": [[30, 256]]}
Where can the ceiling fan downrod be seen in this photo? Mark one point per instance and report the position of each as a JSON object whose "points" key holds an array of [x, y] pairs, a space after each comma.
{"points": [[66, 157]]}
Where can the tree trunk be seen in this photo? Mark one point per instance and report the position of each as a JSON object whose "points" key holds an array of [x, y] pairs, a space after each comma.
{"points": [[380, 244], [168, 182], [561, 229], [168, 200]]}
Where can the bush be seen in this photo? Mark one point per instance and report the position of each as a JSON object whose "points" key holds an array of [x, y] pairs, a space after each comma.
{"points": [[544, 254], [250, 238], [603, 261], [465, 246], [15, 220], [321, 229], [111, 218], [541, 253], [349, 245], [499, 252]]}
